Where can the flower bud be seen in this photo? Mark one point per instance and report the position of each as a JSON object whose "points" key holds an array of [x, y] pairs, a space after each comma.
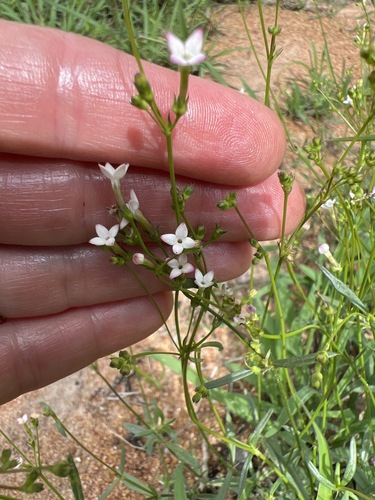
{"points": [[138, 259], [124, 362], [286, 181], [218, 233], [179, 107], [200, 392], [143, 87], [322, 357], [316, 380], [274, 30], [61, 469], [229, 202], [139, 103]]}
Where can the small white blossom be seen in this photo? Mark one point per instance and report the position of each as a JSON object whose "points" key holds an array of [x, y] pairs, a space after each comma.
{"points": [[123, 223], [204, 280], [19, 463], [105, 236], [180, 266], [323, 249], [187, 53], [180, 240], [138, 259], [114, 174], [22, 420], [348, 101], [133, 204], [329, 204]]}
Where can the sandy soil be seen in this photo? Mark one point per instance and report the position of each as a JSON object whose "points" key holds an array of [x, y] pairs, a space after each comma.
{"points": [[82, 400]]}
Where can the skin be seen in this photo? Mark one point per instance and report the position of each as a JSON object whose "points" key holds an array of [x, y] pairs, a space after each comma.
{"points": [[64, 107]]}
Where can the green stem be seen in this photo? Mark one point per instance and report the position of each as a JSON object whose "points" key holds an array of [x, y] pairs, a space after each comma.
{"points": [[172, 178]]}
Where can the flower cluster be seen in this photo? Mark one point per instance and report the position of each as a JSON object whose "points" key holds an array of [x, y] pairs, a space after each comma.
{"points": [[180, 241]]}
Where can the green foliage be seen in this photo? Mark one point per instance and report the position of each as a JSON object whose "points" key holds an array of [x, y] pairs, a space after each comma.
{"points": [[104, 20], [295, 415]]}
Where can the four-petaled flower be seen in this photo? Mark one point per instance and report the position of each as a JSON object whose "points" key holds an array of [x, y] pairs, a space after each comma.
{"points": [[105, 236], [348, 101], [22, 420], [187, 53], [114, 174], [204, 280], [180, 266], [180, 240], [329, 204]]}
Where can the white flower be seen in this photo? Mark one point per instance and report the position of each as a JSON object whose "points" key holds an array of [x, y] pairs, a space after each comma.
{"points": [[180, 240], [348, 101], [187, 53], [323, 249], [180, 266], [329, 204], [204, 281], [105, 237], [133, 204], [114, 174], [22, 420]]}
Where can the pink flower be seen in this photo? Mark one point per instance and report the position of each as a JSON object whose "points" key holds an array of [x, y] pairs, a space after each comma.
{"points": [[189, 52]]}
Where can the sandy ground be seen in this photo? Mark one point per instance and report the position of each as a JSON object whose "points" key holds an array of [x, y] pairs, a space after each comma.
{"points": [[82, 401]]}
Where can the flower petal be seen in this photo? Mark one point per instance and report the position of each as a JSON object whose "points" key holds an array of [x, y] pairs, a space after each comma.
{"points": [[107, 170], [194, 43], [182, 231], [177, 248], [188, 243], [113, 231], [175, 45], [169, 239], [188, 268], [97, 241], [101, 231], [175, 273]]}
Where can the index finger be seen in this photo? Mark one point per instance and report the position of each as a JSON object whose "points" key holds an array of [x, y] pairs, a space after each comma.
{"points": [[66, 96]]}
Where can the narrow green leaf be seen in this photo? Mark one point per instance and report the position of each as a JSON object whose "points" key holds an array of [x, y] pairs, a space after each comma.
{"points": [[228, 379], [48, 412], [183, 456], [325, 465], [179, 483], [319, 477], [223, 493], [213, 343], [352, 463], [344, 290], [259, 428], [75, 480]]}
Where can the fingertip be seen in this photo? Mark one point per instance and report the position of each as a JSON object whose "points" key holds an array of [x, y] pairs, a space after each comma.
{"points": [[228, 136]]}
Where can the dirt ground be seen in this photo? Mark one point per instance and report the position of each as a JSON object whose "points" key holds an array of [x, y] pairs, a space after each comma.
{"points": [[82, 401]]}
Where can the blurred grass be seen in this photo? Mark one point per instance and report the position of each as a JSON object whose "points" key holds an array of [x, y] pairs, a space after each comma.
{"points": [[103, 20]]}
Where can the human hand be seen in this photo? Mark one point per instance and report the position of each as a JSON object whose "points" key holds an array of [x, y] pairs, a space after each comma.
{"points": [[64, 107]]}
